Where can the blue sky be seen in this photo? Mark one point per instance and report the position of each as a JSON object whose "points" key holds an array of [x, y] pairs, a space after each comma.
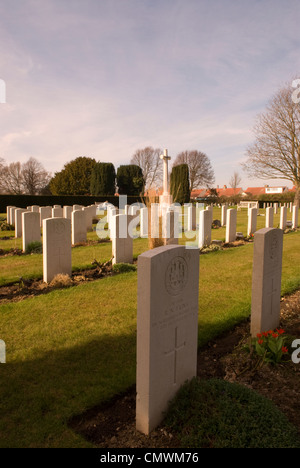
{"points": [[102, 78]]}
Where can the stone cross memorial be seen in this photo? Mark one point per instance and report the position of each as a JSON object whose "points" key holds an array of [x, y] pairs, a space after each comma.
{"points": [[266, 280], [167, 329], [57, 256]]}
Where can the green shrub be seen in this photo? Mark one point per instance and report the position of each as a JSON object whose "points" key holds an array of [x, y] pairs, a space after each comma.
{"points": [[218, 414], [34, 247], [103, 179], [4, 226]]}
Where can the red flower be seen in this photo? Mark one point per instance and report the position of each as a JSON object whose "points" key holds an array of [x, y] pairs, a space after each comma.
{"points": [[280, 331], [275, 335], [284, 349], [259, 335], [260, 341]]}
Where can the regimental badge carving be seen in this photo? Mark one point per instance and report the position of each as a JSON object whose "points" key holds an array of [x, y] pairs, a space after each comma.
{"points": [[59, 227], [176, 276]]}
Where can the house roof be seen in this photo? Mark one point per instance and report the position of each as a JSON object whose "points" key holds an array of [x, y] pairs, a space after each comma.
{"points": [[255, 190], [229, 192]]}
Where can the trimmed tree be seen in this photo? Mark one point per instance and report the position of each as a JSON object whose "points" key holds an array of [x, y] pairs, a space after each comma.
{"points": [[103, 179], [75, 177], [130, 180], [179, 184]]}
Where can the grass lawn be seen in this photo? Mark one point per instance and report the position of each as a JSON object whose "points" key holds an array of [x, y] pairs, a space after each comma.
{"points": [[74, 348]]}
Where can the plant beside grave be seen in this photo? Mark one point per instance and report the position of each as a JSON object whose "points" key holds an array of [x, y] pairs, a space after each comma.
{"points": [[4, 226], [269, 347], [34, 247]]}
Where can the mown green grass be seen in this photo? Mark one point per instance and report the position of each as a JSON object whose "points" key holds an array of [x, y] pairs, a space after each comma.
{"points": [[75, 348]]}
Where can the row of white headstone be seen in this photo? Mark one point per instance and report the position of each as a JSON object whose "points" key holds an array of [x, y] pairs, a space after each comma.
{"points": [[28, 222], [167, 317], [172, 228]]}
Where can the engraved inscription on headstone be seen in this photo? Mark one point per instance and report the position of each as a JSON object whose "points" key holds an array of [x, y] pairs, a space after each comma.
{"points": [[167, 328]]}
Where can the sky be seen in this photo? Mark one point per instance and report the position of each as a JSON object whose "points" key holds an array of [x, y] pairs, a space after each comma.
{"points": [[103, 78]]}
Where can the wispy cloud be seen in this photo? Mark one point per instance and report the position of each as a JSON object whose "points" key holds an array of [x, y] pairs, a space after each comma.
{"points": [[104, 78]]}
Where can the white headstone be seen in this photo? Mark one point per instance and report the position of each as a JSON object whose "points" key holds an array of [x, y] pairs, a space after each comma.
{"points": [[45, 212], [270, 217], [295, 217], [167, 329], [144, 223], [204, 228], [252, 221], [67, 211], [122, 242], [18, 221], [266, 280], [31, 228], [57, 256], [79, 229], [231, 220], [170, 227], [223, 214], [57, 212], [12, 215], [283, 217]]}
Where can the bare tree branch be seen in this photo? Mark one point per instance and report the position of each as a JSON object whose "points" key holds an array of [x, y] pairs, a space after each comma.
{"points": [[275, 153], [200, 169], [148, 159]]}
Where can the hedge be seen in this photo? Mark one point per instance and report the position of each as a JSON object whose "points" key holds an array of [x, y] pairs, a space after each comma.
{"points": [[22, 201]]}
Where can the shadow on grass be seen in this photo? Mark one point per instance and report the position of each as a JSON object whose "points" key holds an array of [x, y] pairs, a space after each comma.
{"points": [[38, 396]]}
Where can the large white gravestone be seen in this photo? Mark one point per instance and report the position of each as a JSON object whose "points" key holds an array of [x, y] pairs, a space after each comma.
{"points": [[67, 211], [204, 228], [45, 212], [224, 215], [283, 217], [122, 241], [31, 228], [12, 211], [167, 329], [270, 217], [231, 220], [57, 256], [295, 216], [266, 280], [79, 229], [170, 227], [252, 221], [144, 222], [18, 221], [8, 220], [57, 212]]}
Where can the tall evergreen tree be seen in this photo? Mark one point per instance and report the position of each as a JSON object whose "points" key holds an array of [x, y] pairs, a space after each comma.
{"points": [[130, 180], [179, 184], [74, 178], [103, 179]]}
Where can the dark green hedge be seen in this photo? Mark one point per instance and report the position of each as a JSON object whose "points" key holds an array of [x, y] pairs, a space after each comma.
{"points": [[22, 201]]}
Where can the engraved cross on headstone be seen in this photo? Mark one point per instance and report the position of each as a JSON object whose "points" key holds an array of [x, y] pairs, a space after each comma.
{"points": [[177, 347]]}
